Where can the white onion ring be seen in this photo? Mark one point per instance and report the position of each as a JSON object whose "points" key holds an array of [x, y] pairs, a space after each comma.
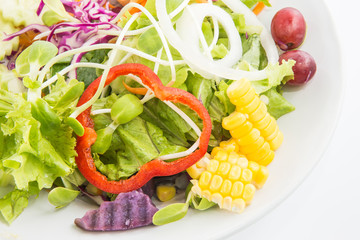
{"points": [[189, 29], [198, 62], [250, 18]]}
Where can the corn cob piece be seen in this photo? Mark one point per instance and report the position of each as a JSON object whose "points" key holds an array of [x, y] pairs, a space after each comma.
{"points": [[230, 180], [255, 131], [237, 167]]}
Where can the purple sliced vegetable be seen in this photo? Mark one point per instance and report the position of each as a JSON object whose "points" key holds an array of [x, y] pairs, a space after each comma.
{"points": [[129, 210], [33, 27], [40, 8], [89, 10]]}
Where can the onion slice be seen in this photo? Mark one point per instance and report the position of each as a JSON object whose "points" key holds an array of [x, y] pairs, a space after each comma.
{"points": [[189, 29], [251, 19], [197, 61]]}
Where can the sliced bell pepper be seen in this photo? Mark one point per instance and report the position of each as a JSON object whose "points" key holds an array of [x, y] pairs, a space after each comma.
{"points": [[84, 160]]}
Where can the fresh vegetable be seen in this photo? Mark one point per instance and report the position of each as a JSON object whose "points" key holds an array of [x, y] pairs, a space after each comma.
{"points": [[165, 192], [120, 214], [258, 8], [61, 196], [255, 125], [230, 180], [304, 68], [288, 28], [154, 168]]}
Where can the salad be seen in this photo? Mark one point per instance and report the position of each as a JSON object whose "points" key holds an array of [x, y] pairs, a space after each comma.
{"points": [[126, 104]]}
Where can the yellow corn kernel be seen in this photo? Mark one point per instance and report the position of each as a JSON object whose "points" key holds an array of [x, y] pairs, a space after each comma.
{"points": [[263, 122], [242, 162], [238, 205], [230, 145], [165, 193], [216, 183], [259, 113], [234, 173], [273, 135], [252, 147], [246, 176], [251, 107], [237, 189], [245, 99], [242, 130], [234, 120], [215, 151], [251, 137], [204, 161], [267, 159], [217, 198], [259, 154], [205, 179], [213, 166], [226, 204], [224, 169], [233, 157], [237, 89], [270, 128], [226, 188], [194, 172], [248, 193], [260, 177], [221, 155], [277, 141]]}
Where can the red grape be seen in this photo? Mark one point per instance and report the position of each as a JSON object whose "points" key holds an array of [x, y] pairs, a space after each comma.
{"points": [[288, 28], [305, 66]]}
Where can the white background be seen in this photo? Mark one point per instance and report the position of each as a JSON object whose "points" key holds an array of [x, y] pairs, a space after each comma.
{"points": [[327, 204]]}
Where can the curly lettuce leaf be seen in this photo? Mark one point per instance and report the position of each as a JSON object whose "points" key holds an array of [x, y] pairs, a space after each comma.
{"points": [[133, 144], [33, 152], [13, 204], [277, 74], [277, 105]]}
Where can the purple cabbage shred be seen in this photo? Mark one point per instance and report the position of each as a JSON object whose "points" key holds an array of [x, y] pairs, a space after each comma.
{"points": [[91, 13]]}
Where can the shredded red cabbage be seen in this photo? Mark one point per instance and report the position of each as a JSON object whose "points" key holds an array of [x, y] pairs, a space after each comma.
{"points": [[38, 28], [90, 10], [40, 8], [91, 13]]}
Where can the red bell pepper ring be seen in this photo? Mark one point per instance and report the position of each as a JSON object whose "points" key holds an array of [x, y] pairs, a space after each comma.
{"points": [[84, 160]]}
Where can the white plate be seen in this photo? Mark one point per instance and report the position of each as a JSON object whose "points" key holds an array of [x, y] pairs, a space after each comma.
{"points": [[307, 132]]}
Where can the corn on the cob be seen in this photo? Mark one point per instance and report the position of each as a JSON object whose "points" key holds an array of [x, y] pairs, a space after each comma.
{"points": [[230, 180], [255, 131], [238, 166]]}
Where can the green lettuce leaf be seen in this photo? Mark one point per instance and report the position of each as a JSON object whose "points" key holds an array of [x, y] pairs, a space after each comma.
{"points": [[175, 128], [34, 152], [12, 205], [200, 87], [277, 74], [134, 144], [254, 54], [277, 105]]}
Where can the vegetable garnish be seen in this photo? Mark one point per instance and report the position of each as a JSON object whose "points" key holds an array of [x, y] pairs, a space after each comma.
{"points": [[258, 8], [84, 160]]}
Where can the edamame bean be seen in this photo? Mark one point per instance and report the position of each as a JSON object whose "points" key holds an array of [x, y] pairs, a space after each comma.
{"points": [[126, 108]]}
